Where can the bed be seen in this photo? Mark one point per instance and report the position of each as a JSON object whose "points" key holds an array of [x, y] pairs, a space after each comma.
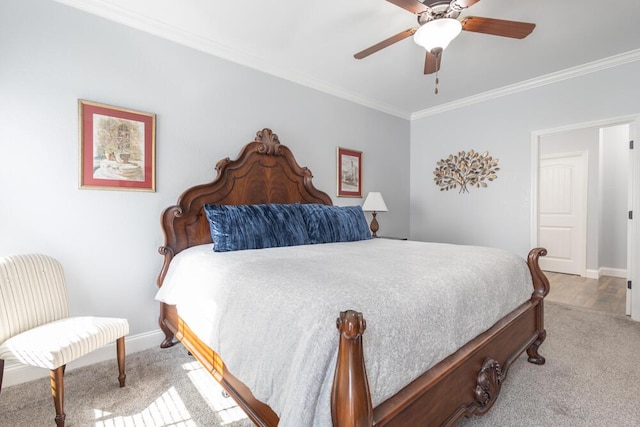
{"points": [[350, 380]]}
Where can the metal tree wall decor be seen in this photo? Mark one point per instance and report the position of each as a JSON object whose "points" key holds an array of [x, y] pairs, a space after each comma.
{"points": [[465, 170]]}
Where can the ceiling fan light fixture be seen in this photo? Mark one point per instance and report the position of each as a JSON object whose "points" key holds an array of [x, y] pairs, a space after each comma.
{"points": [[437, 33]]}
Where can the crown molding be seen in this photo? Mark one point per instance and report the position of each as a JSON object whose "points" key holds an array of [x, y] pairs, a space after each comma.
{"points": [[569, 73], [162, 29]]}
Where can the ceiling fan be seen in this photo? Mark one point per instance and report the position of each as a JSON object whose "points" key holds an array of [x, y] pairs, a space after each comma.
{"points": [[439, 26]]}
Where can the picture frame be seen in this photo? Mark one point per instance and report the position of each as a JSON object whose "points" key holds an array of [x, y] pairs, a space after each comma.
{"points": [[117, 148], [349, 173]]}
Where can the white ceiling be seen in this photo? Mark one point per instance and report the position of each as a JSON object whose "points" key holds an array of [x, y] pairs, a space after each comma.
{"points": [[313, 42]]}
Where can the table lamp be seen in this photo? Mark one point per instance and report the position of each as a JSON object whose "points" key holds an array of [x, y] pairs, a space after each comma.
{"points": [[374, 203]]}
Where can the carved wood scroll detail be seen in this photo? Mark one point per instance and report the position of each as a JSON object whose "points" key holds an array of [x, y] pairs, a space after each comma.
{"points": [[269, 142], [488, 385], [540, 282]]}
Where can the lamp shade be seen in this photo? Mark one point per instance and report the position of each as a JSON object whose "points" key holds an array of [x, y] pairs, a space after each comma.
{"points": [[374, 203], [437, 33]]}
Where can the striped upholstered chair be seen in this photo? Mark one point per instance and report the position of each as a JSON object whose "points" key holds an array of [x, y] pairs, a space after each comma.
{"points": [[35, 327]]}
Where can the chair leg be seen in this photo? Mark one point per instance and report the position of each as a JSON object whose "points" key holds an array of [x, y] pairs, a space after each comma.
{"points": [[57, 391], [1, 372], [120, 352]]}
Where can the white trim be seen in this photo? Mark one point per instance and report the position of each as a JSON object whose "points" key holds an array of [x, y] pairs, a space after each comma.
{"points": [[606, 271], [569, 73], [633, 263], [612, 121], [592, 274], [16, 373], [613, 272], [161, 29]]}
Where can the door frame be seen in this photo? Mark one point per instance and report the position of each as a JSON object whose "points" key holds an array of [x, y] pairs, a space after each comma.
{"points": [[634, 133]]}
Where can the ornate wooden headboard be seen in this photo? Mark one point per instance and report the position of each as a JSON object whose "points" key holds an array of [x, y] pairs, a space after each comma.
{"points": [[264, 172]]}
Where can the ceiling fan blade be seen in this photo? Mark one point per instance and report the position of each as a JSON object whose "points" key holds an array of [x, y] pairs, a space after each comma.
{"points": [[497, 27], [413, 6], [432, 62], [463, 4], [385, 43]]}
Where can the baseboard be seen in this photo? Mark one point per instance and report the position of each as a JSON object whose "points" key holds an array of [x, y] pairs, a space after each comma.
{"points": [[16, 373], [606, 271], [613, 272], [592, 274]]}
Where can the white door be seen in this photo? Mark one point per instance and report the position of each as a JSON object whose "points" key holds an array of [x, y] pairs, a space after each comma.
{"points": [[562, 210]]}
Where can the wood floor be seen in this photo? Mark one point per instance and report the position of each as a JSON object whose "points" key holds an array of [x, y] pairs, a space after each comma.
{"points": [[605, 294]]}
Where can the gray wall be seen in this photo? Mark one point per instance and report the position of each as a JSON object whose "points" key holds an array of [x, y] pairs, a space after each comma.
{"points": [[52, 55], [500, 215]]}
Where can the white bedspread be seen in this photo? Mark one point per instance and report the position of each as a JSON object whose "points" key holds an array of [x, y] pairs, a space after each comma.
{"points": [[271, 313]]}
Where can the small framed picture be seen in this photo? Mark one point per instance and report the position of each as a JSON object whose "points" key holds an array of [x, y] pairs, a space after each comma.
{"points": [[349, 173], [117, 148]]}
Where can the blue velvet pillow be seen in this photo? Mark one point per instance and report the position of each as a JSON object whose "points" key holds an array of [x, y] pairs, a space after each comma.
{"points": [[327, 224], [238, 227]]}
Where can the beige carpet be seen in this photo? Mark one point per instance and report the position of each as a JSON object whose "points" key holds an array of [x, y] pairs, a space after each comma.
{"points": [[591, 378], [164, 388]]}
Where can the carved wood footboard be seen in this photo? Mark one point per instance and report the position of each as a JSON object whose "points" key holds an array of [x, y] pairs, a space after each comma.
{"points": [[464, 384]]}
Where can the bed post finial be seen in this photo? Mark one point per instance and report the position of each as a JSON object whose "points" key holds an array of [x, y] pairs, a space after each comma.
{"points": [[269, 142], [540, 290], [540, 282], [350, 396]]}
